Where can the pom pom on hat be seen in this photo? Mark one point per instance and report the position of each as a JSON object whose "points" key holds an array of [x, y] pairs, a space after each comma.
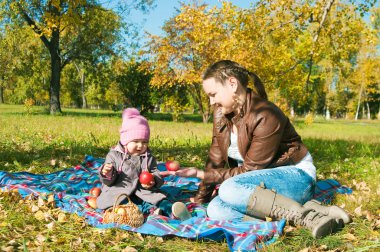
{"points": [[133, 127]]}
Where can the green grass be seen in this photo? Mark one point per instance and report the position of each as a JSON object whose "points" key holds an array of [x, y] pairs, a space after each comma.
{"points": [[345, 150]]}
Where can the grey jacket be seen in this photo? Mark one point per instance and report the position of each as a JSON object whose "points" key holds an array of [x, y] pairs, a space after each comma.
{"points": [[125, 178]]}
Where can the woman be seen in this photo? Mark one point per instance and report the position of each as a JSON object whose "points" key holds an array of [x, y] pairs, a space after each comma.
{"points": [[254, 147]]}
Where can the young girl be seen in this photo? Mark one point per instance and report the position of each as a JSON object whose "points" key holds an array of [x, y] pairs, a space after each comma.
{"points": [[126, 161]]}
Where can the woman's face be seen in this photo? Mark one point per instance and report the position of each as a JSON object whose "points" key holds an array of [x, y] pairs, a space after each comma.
{"points": [[221, 95]]}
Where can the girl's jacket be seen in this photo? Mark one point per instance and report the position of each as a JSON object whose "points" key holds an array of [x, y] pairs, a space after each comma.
{"points": [[125, 178]]}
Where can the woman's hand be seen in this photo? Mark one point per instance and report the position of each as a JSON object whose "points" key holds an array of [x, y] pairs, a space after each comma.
{"points": [[189, 172]]}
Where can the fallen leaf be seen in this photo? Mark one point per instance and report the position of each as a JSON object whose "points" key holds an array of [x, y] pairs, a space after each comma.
{"points": [[62, 217], [129, 249], [305, 250], [7, 249], [40, 202], [139, 236], [349, 237], [289, 229], [358, 211], [39, 215], [159, 239], [35, 208], [51, 225]]}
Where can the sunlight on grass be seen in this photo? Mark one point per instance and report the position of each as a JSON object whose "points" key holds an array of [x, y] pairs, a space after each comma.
{"points": [[344, 150]]}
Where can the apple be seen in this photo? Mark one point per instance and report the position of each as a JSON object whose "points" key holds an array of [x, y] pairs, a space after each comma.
{"points": [[146, 178], [91, 201], [172, 165], [95, 191], [120, 210]]}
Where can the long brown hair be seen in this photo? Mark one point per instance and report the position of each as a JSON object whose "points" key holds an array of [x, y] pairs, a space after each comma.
{"points": [[224, 69]]}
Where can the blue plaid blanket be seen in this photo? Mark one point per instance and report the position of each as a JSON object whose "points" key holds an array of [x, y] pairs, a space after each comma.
{"points": [[71, 188]]}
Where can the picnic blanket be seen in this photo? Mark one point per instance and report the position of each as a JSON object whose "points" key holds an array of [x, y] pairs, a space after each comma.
{"points": [[70, 188]]}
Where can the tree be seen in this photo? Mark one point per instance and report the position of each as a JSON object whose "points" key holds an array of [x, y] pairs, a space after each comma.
{"points": [[70, 30], [297, 48], [133, 82]]}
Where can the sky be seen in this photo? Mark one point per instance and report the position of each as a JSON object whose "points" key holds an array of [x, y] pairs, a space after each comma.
{"points": [[165, 9]]}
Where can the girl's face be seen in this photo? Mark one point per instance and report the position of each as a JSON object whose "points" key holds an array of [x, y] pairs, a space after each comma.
{"points": [[221, 95], [136, 147]]}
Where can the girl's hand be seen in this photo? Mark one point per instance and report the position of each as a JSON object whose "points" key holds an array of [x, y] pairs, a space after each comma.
{"points": [[107, 170], [148, 186]]}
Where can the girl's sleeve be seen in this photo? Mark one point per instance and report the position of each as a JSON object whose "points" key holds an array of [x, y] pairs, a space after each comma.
{"points": [[109, 181]]}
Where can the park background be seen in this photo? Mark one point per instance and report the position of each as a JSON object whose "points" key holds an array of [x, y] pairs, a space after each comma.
{"points": [[67, 68]]}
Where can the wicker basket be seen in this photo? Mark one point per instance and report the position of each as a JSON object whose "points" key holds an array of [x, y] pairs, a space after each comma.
{"points": [[132, 216]]}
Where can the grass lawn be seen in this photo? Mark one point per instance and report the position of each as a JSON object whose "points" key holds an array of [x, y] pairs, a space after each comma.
{"points": [[348, 151]]}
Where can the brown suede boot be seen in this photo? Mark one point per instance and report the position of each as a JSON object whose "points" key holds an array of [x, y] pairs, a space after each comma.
{"points": [[332, 211], [266, 203]]}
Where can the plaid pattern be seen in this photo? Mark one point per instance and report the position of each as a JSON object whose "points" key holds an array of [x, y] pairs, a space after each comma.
{"points": [[71, 186]]}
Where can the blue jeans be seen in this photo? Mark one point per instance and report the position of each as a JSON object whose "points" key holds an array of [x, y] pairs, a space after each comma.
{"points": [[234, 193]]}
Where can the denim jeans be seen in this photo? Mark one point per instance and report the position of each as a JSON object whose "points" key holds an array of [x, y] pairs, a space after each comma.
{"points": [[234, 193]]}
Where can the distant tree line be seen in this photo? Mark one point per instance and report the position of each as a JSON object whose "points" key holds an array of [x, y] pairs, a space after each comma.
{"points": [[314, 57]]}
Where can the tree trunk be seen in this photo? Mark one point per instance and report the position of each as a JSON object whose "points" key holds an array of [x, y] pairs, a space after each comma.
{"points": [[1, 90], [357, 109], [55, 81], [292, 113], [1, 94], [84, 100], [197, 96], [368, 112], [82, 79], [328, 117]]}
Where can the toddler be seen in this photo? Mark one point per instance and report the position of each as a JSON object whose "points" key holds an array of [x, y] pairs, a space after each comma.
{"points": [[124, 164]]}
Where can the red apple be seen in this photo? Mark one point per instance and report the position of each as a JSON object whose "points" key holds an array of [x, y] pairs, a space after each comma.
{"points": [[91, 201], [146, 178], [95, 191], [172, 165]]}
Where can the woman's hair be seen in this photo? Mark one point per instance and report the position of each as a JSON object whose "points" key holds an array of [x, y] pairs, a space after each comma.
{"points": [[224, 69]]}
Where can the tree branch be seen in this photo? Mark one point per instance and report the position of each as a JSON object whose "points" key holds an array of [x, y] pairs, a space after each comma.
{"points": [[33, 25], [315, 39]]}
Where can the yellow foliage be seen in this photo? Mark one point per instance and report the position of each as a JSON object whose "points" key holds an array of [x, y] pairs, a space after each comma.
{"points": [[309, 119]]}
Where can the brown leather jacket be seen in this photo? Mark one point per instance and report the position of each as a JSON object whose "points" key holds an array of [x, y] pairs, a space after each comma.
{"points": [[266, 139]]}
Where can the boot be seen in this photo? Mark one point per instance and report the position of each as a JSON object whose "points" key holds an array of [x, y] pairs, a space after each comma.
{"points": [[204, 194], [266, 203], [332, 211]]}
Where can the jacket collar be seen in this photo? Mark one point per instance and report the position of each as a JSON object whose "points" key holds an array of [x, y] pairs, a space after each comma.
{"points": [[120, 148]]}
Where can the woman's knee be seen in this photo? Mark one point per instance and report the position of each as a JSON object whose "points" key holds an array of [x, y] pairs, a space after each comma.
{"points": [[219, 210]]}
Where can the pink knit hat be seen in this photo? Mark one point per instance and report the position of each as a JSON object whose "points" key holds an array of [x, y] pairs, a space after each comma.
{"points": [[134, 126]]}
